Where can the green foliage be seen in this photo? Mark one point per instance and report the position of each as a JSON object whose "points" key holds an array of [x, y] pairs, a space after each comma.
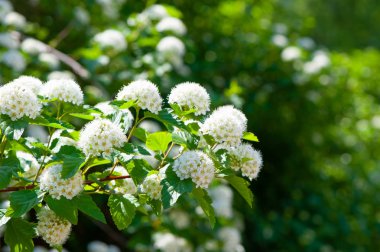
{"points": [[205, 202], [85, 204], [18, 235], [64, 208], [122, 210], [159, 141], [73, 160], [242, 187], [23, 201]]}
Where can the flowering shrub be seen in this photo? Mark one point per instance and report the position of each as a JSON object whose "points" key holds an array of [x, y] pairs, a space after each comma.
{"points": [[113, 155]]}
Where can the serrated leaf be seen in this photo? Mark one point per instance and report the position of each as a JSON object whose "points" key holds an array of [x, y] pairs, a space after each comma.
{"points": [[8, 166], [205, 203], [156, 206], [159, 141], [138, 169], [64, 208], [87, 206], [122, 210], [82, 116], [72, 160], [250, 137], [242, 187], [167, 118], [22, 201], [183, 137], [141, 134], [48, 121], [18, 235], [173, 187]]}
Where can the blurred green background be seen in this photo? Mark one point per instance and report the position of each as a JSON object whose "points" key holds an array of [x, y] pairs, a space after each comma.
{"points": [[306, 73]]}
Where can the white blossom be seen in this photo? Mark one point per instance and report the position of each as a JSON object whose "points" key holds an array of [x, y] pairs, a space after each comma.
{"points": [[171, 24], [171, 47], [63, 90], [291, 53], [144, 92], [226, 125], [195, 165], [30, 82], [279, 40], [156, 12], [101, 136], [60, 75], [111, 39], [231, 239], [320, 60], [152, 186], [5, 8], [17, 101], [180, 219], [9, 40], [49, 59], [168, 242], [222, 197], [245, 158], [14, 60], [53, 229], [14, 19], [33, 46], [123, 186], [191, 95], [52, 182]]}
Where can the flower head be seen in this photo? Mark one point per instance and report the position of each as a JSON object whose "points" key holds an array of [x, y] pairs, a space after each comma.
{"points": [[111, 39], [246, 159], [191, 95], [171, 24], [30, 82], [226, 125], [152, 186], [123, 186], [17, 101], [14, 59], [63, 90], [52, 228], [144, 92], [101, 136], [15, 19], [52, 182], [195, 165], [156, 11], [171, 46], [33, 46]]}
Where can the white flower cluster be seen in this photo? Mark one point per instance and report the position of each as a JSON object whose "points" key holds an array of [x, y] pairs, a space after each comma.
{"points": [[171, 47], [107, 109], [170, 243], [30, 82], [17, 101], [171, 24], [99, 246], [152, 186], [63, 90], [111, 39], [190, 95], [14, 59], [226, 125], [231, 239], [222, 197], [52, 228], [156, 11], [246, 159], [144, 92], [195, 165], [101, 136], [14, 19], [123, 186], [52, 182], [33, 46], [9, 40]]}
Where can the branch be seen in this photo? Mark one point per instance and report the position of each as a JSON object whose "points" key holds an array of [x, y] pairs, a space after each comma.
{"points": [[87, 182]]}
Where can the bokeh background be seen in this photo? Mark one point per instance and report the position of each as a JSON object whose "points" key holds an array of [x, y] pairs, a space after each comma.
{"points": [[305, 72]]}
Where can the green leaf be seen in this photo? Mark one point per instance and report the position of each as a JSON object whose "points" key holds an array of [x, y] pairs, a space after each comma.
{"points": [[13, 130], [183, 137], [242, 186], [122, 210], [48, 121], [72, 160], [138, 169], [97, 162], [3, 218], [141, 134], [22, 201], [159, 141], [173, 187], [8, 166], [167, 118], [205, 202], [64, 208], [250, 137], [156, 206], [82, 116], [87, 206], [18, 235]]}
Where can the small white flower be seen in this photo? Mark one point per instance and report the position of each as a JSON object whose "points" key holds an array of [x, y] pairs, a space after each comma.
{"points": [[222, 197], [152, 186], [171, 24], [52, 182], [191, 95], [60, 75], [279, 40], [246, 159], [195, 165], [101, 136], [52, 228], [49, 59], [231, 239], [320, 60], [111, 39], [9, 40], [170, 243], [226, 125], [30, 82], [123, 186], [5, 8], [63, 90], [156, 12], [17, 101], [291, 53], [144, 92], [15, 19], [171, 46], [33, 46], [14, 60]]}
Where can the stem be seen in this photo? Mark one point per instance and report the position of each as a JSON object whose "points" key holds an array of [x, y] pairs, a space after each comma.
{"points": [[113, 168], [43, 160], [137, 122], [3, 143], [166, 155]]}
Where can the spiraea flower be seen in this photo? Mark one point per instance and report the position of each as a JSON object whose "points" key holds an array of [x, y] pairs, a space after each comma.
{"points": [[15, 19], [52, 182], [63, 90], [53, 229], [195, 165], [156, 11], [226, 125], [191, 95], [123, 186], [245, 158], [30, 82], [33, 46], [101, 136], [17, 101], [14, 59], [111, 39], [171, 24], [171, 46], [152, 186], [144, 92], [126, 118]]}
